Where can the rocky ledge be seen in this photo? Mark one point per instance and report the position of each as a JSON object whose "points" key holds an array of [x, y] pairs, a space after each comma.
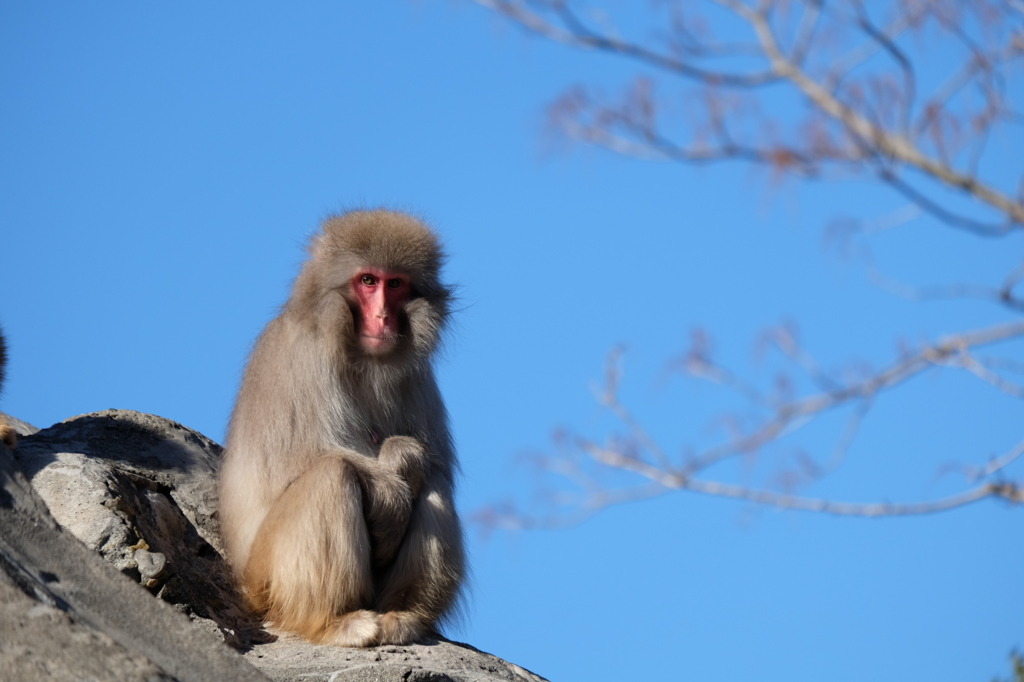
{"points": [[111, 568]]}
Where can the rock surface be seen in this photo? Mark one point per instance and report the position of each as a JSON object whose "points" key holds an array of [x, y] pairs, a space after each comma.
{"points": [[290, 659], [139, 491], [68, 615]]}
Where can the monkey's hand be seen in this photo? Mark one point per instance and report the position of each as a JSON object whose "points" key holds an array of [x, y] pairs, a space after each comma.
{"points": [[405, 456], [391, 490]]}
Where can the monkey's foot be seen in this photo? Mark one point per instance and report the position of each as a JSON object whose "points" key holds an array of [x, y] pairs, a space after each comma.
{"points": [[355, 629], [401, 627], [8, 435]]}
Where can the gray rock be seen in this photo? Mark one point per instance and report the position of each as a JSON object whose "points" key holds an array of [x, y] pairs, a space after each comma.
{"points": [[140, 491], [42, 642], [69, 615], [290, 659]]}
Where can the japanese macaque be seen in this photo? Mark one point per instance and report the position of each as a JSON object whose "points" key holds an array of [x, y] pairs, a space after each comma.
{"points": [[337, 484], [7, 434]]}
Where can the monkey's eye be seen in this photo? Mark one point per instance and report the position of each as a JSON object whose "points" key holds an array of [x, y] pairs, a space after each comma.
{"points": [[368, 280], [394, 283]]}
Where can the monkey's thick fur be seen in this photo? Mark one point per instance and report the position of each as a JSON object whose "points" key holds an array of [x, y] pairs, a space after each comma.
{"points": [[7, 434], [337, 485]]}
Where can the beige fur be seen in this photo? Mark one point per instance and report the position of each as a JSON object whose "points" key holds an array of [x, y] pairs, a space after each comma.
{"points": [[337, 485]]}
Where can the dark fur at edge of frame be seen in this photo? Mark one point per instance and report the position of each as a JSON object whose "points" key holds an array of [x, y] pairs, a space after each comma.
{"points": [[7, 434]]}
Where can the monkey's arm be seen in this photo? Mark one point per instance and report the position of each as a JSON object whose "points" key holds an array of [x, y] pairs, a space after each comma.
{"points": [[423, 583], [391, 483]]}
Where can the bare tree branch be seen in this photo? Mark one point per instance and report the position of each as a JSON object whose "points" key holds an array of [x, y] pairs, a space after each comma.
{"points": [[889, 145], [873, 146], [879, 108], [662, 482], [642, 456], [575, 34]]}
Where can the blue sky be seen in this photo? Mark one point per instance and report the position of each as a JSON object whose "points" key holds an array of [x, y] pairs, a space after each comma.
{"points": [[161, 168]]}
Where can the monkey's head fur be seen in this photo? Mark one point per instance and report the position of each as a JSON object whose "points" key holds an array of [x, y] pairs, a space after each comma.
{"points": [[389, 241]]}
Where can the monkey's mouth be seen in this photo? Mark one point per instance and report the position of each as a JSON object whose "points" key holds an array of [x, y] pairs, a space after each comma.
{"points": [[382, 342]]}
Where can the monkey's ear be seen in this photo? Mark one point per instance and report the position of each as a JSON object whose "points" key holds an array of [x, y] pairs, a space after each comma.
{"points": [[346, 319], [346, 326], [426, 322]]}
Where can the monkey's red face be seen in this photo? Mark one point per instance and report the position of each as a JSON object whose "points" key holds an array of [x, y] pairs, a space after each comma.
{"points": [[380, 296]]}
